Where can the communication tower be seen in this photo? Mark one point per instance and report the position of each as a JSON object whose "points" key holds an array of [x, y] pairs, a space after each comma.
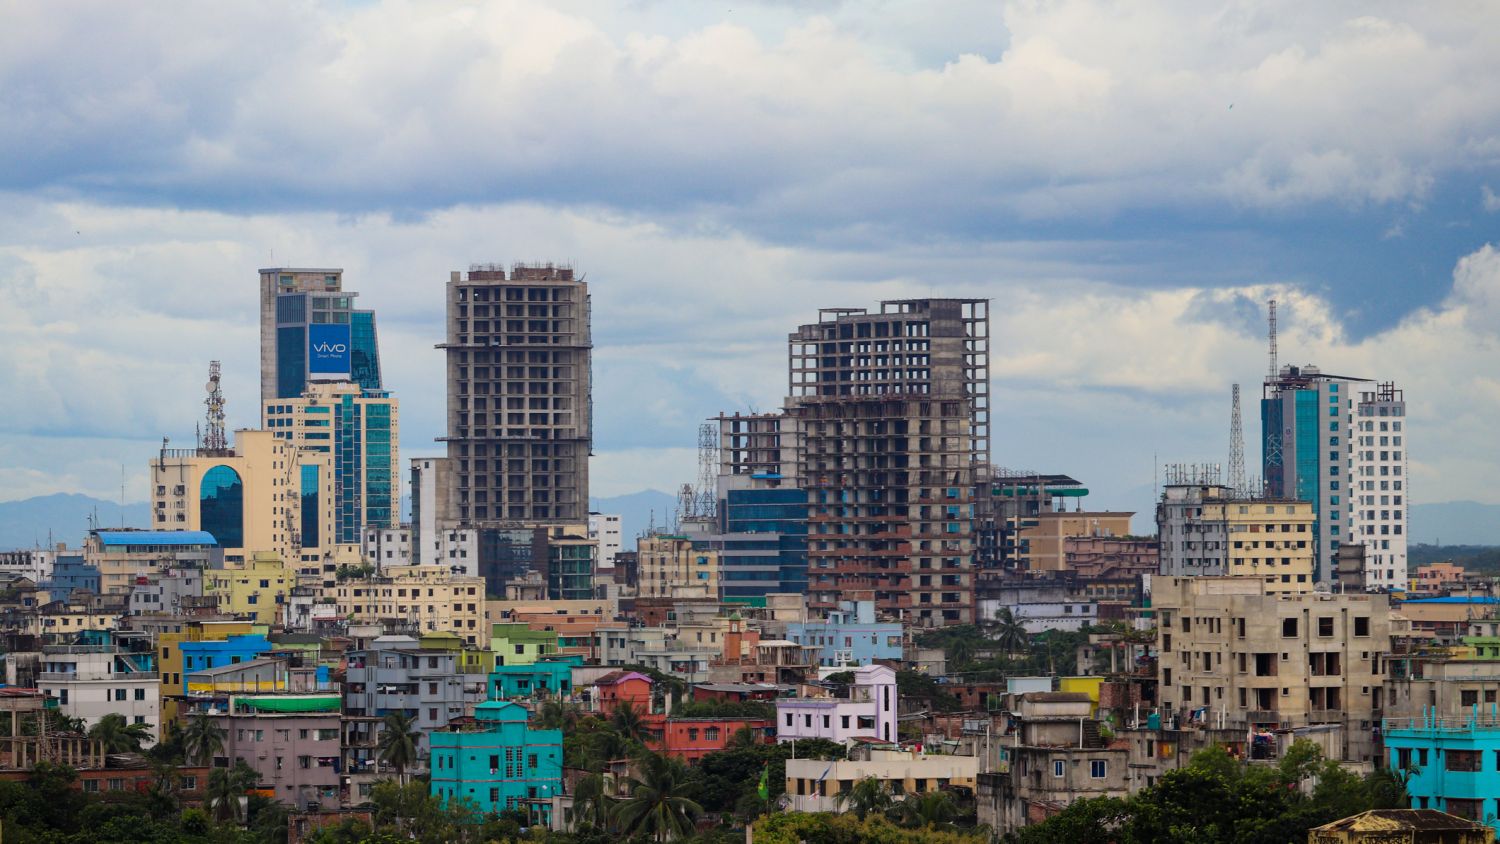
{"points": [[1236, 448], [214, 440]]}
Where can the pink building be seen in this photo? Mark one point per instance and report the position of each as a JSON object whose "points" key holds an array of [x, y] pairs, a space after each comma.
{"points": [[867, 711]]}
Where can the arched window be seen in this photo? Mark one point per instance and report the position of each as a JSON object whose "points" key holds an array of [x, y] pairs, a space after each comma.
{"points": [[221, 506]]}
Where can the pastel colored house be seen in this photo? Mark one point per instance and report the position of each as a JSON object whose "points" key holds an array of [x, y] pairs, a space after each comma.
{"points": [[515, 643], [867, 710], [1454, 762], [498, 762], [619, 687], [217, 653], [691, 739], [849, 636], [548, 677]]}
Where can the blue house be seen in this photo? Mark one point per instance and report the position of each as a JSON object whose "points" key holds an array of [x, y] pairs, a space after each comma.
{"points": [[1454, 763], [850, 635], [499, 762], [70, 572], [217, 653], [550, 676]]}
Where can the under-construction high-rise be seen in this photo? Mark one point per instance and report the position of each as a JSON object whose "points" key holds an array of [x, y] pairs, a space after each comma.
{"points": [[519, 413], [891, 415]]}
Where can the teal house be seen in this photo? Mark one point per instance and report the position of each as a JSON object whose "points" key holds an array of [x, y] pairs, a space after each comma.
{"points": [[550, 676], [1453, 762], [499, 762]]}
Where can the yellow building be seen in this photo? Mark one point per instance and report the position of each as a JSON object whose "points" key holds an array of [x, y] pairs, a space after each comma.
{"points": [[250, 498], [1044, 535], [1271, 540], [256, 589], [671, 568], [431, 597], [169, 655]]}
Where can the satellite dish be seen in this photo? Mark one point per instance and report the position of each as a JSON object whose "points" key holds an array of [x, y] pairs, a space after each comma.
{"points": [[211, 385]]}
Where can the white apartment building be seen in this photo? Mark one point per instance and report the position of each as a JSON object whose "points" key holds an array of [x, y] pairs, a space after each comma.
{"points": [[1380, 509], [604, 528], [91, 681]]}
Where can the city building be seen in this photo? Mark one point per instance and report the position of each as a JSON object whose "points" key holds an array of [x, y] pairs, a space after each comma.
{"points": [[605, 529], [1437, 578], [520, 425], [814, 785], [865, 709], [550, 676], [429, 598], [91, 681], [310, 330], [1043, 538], [691, 739], [121, 556], [518, 643], [1401, 826], [764, 445], [762, 545], [571, 559], [1339, 447], [395, 675], [499, 762], [850, 635], [670, 566], [1007, 502], [1208, 529], [357, 429], [183, 658], [254, 589], [382, 546], [291, 741], [34, 564], [71, 572], [1452, 764], [1279, 660]]}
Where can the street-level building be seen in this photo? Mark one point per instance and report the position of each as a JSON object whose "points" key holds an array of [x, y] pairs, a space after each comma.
{"points": [[499, 762], [291, 741], [866, 709], [91, 681]]}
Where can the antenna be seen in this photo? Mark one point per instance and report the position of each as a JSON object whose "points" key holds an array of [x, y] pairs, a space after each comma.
{"points": [[1236, 448], [1271, 319], [214, 440], [708, 470], [122, 496]]}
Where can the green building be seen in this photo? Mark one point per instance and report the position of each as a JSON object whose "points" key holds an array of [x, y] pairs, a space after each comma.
{"points": [[515, 643], [550, 676], [499, 762]]}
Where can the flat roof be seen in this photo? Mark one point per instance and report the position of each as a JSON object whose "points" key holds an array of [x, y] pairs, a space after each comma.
{"points": [[155, 537]]}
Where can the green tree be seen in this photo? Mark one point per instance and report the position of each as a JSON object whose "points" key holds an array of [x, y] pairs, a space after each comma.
{"points": [[744, 738], [592, 804], [116, 735], [202, 739], [628, 722], [397, 744], [654, 807], [1010, 633], [226, 786], [932, 808], [557, 715], [864, 797]]}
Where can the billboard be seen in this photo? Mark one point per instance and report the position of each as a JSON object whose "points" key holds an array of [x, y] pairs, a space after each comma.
{"points": [[328, 350]]}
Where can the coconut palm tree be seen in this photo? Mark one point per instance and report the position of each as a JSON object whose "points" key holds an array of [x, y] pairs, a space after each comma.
{"points": [[202, 739], [744, 738], [592, 804], [557, 715], [1010, 633], [961, 652], [226, 786], [627, 721], [398, 742], [865, 796], [934, 808], [116, 735], [653, 808]]}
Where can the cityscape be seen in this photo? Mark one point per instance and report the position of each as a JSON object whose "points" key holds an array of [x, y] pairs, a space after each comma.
{"points": [[853, 544]]}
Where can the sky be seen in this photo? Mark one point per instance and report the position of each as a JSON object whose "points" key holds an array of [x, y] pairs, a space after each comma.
{"points": [[1127, 182]]}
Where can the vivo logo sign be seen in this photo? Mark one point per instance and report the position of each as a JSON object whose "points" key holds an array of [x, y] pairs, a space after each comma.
{"points": [[328, 349]]}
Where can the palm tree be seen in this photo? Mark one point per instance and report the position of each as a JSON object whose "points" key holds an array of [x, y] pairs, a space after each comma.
{"points": [[116, 735], [226, 786], [933, 808], [1010, 633], [557, 715], [398, 742], [202, 739], [653, 807], [592, 804], [866, 796], [744, 738], [628, 722], [961, 652]]}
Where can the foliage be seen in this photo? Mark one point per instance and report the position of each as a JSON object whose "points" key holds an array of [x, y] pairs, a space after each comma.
{"points": [[865, 797], [927, 809], [557, 715], [1217, 798], [116, 735], [914, 685], [226, 786], [764, 710], [398, 742], [629, 722], [824, 828], [592, 743], [655, 806], [202, 739]]}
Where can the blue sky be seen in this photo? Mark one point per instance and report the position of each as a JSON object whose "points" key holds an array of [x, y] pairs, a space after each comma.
{"points": [[1128, 182]]}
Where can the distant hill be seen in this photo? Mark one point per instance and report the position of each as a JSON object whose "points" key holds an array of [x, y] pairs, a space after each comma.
{"points": [[27, 522], [1456, 523], [636, 511]]}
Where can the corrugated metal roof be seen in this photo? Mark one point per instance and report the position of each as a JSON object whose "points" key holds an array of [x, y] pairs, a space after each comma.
{"points": [[156, 537], [1401, 819]]}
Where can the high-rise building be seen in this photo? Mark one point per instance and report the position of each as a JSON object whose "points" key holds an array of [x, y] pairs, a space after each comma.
{"points": [[604, 528], [892, 410], [1313, 451], [520, 426], [357, 428], [1209, 530], [311, 331]]}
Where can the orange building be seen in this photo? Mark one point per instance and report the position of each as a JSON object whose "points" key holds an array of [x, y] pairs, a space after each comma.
{"points": [[691, 739]]}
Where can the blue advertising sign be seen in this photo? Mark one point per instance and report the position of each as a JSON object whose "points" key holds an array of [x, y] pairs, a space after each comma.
{"points": [[328, 349]]}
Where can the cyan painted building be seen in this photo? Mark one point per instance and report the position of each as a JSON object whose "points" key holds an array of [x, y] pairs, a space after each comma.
{"points": [[550, 676], [499, 763], [850, 636], [1454, 763], [217, 653]]}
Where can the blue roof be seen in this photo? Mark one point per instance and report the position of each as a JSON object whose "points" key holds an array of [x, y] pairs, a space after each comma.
{"points": [[1455, 599], [156, 537]]}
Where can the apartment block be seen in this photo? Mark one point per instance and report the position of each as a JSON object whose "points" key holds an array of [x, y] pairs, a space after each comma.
{"points": [[429, 598], [671, 566], [520, 425], [1272, 660], [1207, 529], [1378, 518], [310, 329], [91, 681]]}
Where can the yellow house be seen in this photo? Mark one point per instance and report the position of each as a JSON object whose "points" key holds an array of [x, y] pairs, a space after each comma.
{"points": [[1272, 540], [430, 597], [671, 567], [1046, 534], [169, 655], [469, 660], [1085, 685], [256, 588]]}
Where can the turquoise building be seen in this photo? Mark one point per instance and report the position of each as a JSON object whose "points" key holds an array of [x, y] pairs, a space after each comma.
{"points": [[550, 676], [1454, 763], [499, 762]]}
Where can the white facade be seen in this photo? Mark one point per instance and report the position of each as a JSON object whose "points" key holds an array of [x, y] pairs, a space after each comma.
{"points": [[1191, 546], [604, 528], [383, 546], [869, 711], [91, 681], [813, 785], [1378, 517], [34, 564]]}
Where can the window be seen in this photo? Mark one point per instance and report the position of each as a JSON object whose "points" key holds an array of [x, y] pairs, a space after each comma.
{"points": [[1462, 760], [1361, 625], [1325, 625], [140, 694], [1289, 628], [1059, 768], [1098, 768]]}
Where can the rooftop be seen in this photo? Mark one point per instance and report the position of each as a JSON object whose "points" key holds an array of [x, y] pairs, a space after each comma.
{"points": [[1401, 820], [113, 538]]}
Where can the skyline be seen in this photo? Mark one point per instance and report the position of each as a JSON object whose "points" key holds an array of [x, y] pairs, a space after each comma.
{"points": [[1133, 203]]}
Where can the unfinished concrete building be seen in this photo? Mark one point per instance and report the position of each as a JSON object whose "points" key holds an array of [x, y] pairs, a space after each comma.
{"points": [[520, 424], [892, 410]]}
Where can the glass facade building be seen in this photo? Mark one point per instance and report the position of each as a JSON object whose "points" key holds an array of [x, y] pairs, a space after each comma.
{"points": [[763, 549], [295, 306], [221, 506]]}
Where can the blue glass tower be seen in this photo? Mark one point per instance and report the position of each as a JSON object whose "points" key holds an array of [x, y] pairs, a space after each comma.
{"points": [[310, 330]]}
